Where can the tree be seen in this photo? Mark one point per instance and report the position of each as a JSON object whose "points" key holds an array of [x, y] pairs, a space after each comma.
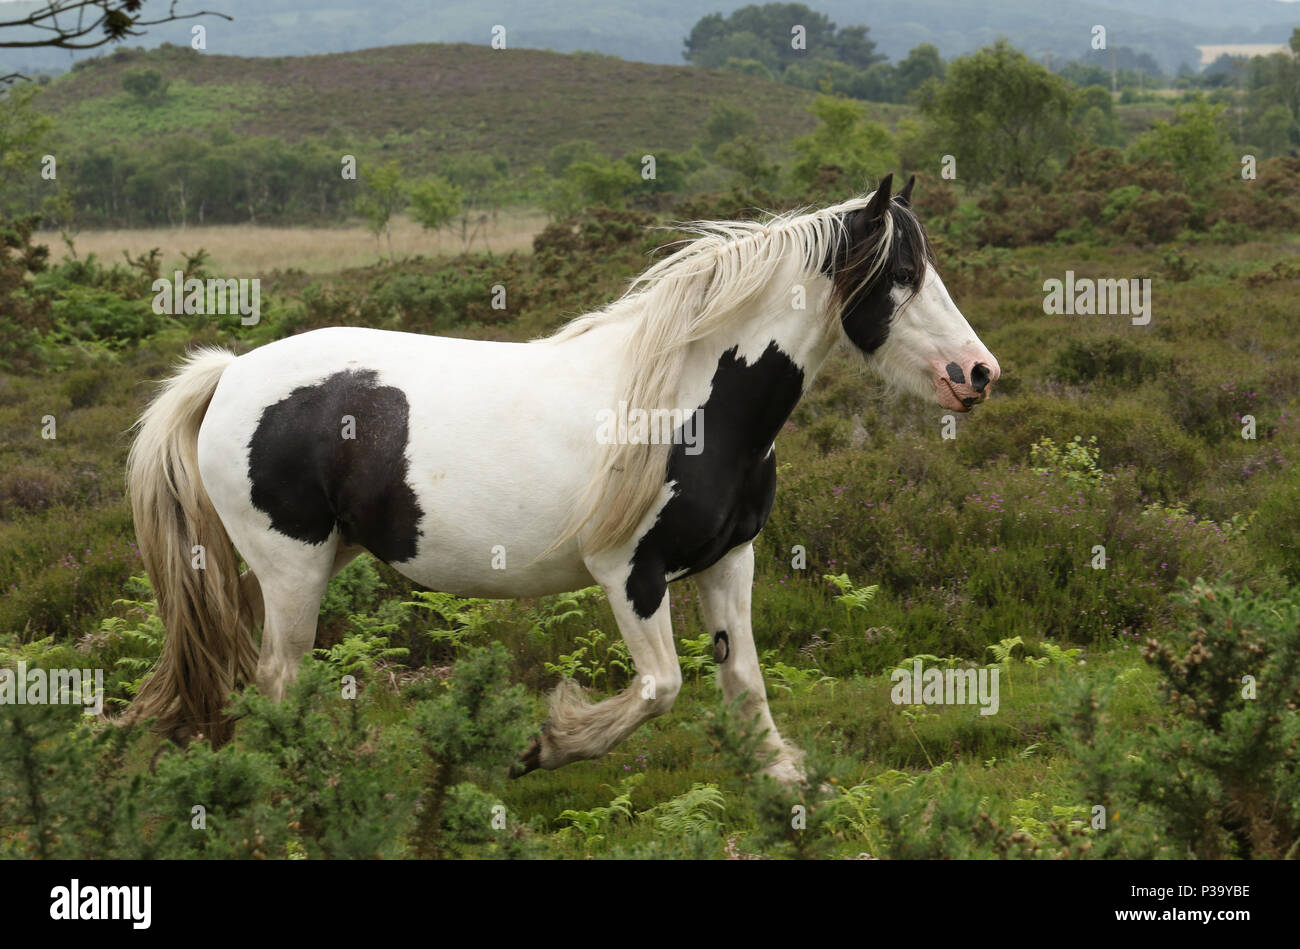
{"points": [[853, 46], [601, 181], [877, 83], [1194, 143], [726, 124], [1002, 115], [480, 178], [384, 196], [1095, 115], [846, 140], [748, 160], [435, 201], [671, 170], [22, 132], [1274, 88], [743, 46], [84, 24], [1273, 129], [922, 63], [748, 67], [146, 85], [763, 33], [566, 153]]}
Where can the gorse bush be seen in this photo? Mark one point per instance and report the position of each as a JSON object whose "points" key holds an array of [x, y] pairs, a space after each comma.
{"points": [[317, 775], [1220, 776]]}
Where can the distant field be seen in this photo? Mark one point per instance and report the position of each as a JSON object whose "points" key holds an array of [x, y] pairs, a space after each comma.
{"points": [[238, 249]]}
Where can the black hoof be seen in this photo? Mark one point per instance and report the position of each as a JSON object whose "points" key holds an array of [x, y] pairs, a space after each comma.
{"points": [[530, 760]]}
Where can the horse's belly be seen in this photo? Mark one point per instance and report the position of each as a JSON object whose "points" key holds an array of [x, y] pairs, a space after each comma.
{"points": [[471, 572], [487, 531]]}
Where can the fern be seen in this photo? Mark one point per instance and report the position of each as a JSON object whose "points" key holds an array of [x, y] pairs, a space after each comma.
{"points": [[593, 823], [696, 655], [464, 619], [1002, 653], [695, 811], [851, 597], [552, 612], [793, 680], [596, 658]]}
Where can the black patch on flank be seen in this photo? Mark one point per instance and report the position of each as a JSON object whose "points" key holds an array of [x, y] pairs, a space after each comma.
{"points": [[721, 646], [724, 494], [866, 311], [309, 479], [955, 373]]}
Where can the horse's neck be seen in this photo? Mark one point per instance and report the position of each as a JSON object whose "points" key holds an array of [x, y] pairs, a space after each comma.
{"points": [[756, 375]]}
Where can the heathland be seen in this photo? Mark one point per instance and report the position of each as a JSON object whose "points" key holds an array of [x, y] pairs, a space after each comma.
{"points": [[1115, 530]]}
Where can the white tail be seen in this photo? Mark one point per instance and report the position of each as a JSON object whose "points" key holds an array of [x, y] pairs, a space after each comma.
{"points": [[207, 612]]}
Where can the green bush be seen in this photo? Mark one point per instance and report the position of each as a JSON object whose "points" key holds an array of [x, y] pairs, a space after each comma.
{"points": [[1219, 775], [1110, 360]]}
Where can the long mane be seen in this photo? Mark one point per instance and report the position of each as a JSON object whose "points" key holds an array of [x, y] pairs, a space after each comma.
{"points": [[700, 290]]}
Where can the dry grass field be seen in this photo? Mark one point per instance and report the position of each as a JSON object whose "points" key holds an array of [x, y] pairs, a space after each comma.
{"points": [[243, 249]]}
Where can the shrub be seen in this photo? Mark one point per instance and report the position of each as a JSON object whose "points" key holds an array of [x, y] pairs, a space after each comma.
{"points": [[1218, 774], [1110, 359]]}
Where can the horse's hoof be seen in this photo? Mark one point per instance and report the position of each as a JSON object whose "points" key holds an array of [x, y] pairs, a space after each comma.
{"points": [[530, 760]]}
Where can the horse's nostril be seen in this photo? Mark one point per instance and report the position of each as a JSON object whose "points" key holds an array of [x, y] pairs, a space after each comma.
{"points": [[979, 377]]}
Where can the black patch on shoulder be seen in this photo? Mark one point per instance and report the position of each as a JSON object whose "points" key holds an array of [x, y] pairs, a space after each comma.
{"points": [[724, 494], [721, 646], [309, 479]]}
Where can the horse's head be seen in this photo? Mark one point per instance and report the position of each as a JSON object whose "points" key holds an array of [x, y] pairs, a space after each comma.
{"points": [[896, 310]]}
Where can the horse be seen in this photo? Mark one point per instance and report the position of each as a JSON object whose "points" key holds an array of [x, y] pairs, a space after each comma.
{"points": [[483, 468]]}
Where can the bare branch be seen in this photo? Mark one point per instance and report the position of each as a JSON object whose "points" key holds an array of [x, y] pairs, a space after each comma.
{"points": [[98, 22]]}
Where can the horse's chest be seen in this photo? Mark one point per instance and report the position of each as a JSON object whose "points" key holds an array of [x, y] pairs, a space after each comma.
{"points": [[707, 516], [722, 495]]}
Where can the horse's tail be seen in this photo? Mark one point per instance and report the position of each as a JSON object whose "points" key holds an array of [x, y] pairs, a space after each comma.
{"points": [[206, 612]]}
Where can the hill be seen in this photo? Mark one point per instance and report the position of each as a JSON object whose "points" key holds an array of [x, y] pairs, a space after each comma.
{"points": [[1166, 29], [417, 102]]}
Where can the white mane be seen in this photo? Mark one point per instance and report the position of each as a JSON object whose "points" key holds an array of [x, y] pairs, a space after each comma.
{"points": [[698, 291]]}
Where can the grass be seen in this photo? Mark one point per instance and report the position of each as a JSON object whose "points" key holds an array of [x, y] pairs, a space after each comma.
{"points": [[257, 250], [1011, 760]]}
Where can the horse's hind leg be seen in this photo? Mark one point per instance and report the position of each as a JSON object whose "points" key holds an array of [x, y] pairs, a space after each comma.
{"points": [[250, 588], [292, 577], [725, 592], [577, 729]]}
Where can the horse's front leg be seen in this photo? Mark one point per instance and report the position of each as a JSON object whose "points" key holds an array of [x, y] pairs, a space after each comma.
{"points": [[577, 729], [725, 592]]}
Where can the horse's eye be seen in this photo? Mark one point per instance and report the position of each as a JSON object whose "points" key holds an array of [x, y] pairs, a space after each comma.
{"points": [[905, 277]]}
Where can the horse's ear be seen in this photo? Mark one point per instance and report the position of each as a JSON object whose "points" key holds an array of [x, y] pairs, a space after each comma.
{"points": [[879, 203], [905, 196]]}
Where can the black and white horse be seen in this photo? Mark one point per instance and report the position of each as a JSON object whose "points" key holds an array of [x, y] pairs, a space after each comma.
{"points": [[490, 469]]}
